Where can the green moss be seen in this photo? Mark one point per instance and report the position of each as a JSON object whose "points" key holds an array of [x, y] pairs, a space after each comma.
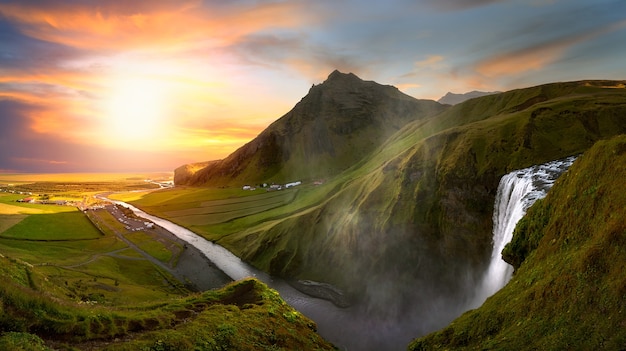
{"points": [[244, 315], [569, 285], [13, 341]]}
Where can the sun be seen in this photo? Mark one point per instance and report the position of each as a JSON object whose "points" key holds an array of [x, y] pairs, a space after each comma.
{"points": [[136, 110]]}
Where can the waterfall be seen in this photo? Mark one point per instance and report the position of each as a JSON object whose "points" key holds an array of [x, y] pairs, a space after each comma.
{"points": [[517, 191]]}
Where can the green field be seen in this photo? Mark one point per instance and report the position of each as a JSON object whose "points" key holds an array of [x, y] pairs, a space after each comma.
{"points": [[86, 263], [71, 278], [183, 197], [76, 187], [219, 212], [153, 246], [55, 226], [205, 207]]}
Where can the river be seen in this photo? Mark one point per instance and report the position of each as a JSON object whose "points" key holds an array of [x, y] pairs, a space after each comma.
{"points": [[351, 328]]}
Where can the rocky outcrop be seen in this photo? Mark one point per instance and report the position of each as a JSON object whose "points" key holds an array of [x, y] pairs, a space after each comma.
{"points": [[184, 173]]}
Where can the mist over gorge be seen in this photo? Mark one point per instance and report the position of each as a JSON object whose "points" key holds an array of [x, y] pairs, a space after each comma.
{"points": [[405, 226]]}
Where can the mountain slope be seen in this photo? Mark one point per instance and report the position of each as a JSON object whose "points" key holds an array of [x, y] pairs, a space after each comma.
{"points": [[415, 218], [569, 286], [406, 231], [338, 123]]}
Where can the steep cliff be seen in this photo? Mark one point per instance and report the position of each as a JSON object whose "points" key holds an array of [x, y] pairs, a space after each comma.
{"points": [[569, 285], [418, 212]]}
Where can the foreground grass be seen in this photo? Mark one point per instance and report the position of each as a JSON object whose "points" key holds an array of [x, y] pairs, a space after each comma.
{"points": [[68, 286], [58, 226], [244, 315], [569, 286]]}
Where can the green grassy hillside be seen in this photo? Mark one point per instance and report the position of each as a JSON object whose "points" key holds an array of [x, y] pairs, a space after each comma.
{"points": [[66, 285], [421, 213], [412, 221], [35, 309], [569, 285], [244, 315]]}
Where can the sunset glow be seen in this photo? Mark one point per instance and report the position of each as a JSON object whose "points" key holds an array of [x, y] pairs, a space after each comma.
{"points": [[137, 109], [151, 85]]}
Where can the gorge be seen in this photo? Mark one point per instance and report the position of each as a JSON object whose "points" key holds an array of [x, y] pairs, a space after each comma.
{"points": [[350, 328], [405, 225]]}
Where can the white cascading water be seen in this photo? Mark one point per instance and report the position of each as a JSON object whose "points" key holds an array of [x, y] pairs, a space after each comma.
{"points": [[517, 191]]}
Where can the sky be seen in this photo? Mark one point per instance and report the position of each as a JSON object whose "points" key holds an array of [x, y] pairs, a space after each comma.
{"points": [[149, 85]]}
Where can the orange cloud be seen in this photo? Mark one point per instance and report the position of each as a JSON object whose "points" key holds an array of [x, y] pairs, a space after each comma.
{"points": [[429, 61], [406, 86], [177, 46], [538, 56], [40, 161], [177, 24]]}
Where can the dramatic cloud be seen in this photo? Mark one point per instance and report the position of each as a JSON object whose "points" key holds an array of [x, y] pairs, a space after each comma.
{"points": [[162, 25], [90, 85], [538, 56]]}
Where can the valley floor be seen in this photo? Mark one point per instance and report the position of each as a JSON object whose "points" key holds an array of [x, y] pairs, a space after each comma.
{"points": [[189, 265]]}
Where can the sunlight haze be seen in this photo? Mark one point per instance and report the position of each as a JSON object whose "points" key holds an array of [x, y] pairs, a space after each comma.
{"points": [[151, 85]]}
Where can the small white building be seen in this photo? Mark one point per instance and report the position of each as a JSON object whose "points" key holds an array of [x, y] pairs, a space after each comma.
{"points": [[289, 185]]}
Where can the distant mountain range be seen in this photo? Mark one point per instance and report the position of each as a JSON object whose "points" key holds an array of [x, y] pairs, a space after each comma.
{"points": [[453, 99]]}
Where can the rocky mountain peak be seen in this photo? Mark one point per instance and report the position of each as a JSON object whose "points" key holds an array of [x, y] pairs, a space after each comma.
{"points": [[339, 80], [338, 123]]}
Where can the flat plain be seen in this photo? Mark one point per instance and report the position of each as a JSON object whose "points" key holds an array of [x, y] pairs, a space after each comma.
{"points": [[62, 243]]}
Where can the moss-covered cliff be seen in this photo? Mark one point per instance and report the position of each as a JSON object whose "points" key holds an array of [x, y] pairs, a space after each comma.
{"points": [[569, 252]]}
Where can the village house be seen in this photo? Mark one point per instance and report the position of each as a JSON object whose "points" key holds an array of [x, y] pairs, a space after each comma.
{"points": [[289, 185]]}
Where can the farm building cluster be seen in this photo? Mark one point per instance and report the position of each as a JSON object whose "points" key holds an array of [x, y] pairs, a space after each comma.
{"points": [[272, 187]]}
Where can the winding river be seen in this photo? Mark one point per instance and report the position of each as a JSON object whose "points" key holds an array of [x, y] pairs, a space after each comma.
{"points": [[349, 328]]}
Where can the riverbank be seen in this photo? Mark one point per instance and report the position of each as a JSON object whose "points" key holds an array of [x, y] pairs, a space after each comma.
{"points": [[193, 268], [322, 291], [196, 269], [188, 264]]}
